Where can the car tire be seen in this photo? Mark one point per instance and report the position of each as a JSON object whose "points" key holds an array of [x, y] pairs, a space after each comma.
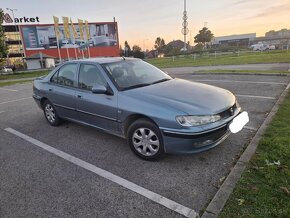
{"points": [[51, 114], [145, 140]]}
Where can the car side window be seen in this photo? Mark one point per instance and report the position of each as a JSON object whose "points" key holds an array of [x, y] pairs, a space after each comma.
{"points": [[65, 75], [89, 76]]}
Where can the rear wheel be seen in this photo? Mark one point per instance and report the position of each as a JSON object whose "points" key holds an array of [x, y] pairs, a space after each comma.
{"points": [[51, 114], [145, 140]]}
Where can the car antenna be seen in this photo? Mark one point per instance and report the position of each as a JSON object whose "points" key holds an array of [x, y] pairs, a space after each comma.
{"points": [[123, 58]]}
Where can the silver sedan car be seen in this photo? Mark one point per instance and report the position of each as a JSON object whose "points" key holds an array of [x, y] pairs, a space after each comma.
{"points": [[132, 99]]}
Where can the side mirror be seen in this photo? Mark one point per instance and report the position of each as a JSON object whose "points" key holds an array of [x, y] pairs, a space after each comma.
{"points": [[101, 89]]}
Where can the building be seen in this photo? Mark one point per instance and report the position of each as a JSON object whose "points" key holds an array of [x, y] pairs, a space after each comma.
{"points": [[234, 40], [100, 39], [280, 39], [283, 33], [39, 61], [14, 42]]}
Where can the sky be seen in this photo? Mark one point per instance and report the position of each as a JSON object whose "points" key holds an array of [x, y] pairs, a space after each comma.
{"points": [[141, 22]]}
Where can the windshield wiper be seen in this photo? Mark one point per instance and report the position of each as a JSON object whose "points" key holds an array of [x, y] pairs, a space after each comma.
{"points": [[136, 86], [160, 81]]}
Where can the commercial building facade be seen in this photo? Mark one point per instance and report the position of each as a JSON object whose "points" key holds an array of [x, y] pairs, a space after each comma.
{"points": [[100, 39]]}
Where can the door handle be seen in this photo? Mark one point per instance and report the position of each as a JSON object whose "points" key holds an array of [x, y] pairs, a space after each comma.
{"points": [[50, 89], [79, 96]]}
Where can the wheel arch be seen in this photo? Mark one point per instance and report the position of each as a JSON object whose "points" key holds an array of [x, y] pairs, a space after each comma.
{"points": [[134, 117]]}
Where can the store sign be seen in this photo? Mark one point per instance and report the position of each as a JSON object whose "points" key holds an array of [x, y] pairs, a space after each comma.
{"points": [[8, 19]]}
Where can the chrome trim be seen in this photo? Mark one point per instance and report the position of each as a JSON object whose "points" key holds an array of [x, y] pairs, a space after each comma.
{"points": [[192, 133], [85, 112], [96, 115], [69, 108]]}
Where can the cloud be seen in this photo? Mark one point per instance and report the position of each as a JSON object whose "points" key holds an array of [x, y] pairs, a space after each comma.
{"points": [[271, 11]]}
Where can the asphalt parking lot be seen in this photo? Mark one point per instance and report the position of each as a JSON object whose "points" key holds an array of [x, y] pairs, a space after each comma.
{"points": [[37, 182]]}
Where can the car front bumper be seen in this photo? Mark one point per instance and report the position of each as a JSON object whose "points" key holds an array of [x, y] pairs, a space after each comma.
{"points": [[186, 143]]}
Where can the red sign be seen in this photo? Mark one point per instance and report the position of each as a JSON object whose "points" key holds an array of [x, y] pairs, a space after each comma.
{"points": [[7, 18]]}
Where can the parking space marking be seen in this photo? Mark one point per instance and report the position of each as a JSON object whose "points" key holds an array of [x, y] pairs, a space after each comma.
{"points": [[240, 81], [256, 96], [11, 90], [288, 86], [172, 205], [20, 99]]}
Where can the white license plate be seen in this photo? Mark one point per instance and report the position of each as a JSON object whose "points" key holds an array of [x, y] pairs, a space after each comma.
{"points": [[239, 122]]}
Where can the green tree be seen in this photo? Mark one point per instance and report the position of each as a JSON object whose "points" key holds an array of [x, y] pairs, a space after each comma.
{"points": [[204, 37], [127, 49], [3, 46], [159, 44], [137, 53]]}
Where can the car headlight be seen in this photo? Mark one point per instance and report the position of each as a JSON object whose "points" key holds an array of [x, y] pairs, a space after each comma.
{"points": [[197, 120]]}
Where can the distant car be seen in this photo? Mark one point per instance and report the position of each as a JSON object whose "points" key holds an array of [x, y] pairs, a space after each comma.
{"points": [[7, 69], [132, 99], [262, 47]]}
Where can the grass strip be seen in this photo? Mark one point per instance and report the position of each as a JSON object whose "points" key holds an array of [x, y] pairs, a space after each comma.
{"points": [[233, 59], [279, 72], [264, 188], [22, 75], [9, 83]]}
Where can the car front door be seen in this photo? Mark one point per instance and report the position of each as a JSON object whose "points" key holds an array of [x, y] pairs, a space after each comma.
{"points": [[62, 90], [99, 110]]}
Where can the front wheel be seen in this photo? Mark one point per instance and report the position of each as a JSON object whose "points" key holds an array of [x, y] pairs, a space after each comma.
{"points": [[145, 140], [50, 114]]}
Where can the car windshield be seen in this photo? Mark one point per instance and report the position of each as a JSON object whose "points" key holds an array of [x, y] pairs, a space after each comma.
{"points": [[129, 74]]}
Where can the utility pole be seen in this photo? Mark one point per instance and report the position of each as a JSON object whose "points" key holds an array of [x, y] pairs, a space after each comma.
{"points": [[17, 29], [184, 29]]}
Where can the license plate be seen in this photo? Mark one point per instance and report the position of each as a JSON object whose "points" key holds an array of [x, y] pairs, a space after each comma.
{"points": [[239, 122]]}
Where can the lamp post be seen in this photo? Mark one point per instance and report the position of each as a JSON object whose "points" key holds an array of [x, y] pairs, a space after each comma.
{"points": [[16, 29]]}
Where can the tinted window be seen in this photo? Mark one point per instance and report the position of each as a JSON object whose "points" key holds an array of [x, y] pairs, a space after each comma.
{"points": [[89, 76], [65, 75]]}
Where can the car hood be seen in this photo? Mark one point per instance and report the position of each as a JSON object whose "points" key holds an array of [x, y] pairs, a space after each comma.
{"points": [[192, 98]]}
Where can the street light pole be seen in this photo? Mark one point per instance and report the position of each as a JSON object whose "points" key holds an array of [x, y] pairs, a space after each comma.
{"points": [[16, 29]]}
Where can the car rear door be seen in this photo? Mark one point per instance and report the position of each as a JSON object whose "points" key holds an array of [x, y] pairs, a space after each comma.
{"points": [[99, 110], [62, 90]]}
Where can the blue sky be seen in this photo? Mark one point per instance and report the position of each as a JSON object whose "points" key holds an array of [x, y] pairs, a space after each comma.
{"points": [[140, 22]]}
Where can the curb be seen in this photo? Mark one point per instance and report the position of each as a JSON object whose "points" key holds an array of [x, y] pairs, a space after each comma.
{"points": [[218, 201]]}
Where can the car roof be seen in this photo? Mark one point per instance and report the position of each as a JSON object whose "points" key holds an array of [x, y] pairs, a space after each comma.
{"points": [[104, 60]]}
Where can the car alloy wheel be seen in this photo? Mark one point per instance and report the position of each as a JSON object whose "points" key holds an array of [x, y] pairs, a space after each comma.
{"points": [[51, 114], [145, 140]]}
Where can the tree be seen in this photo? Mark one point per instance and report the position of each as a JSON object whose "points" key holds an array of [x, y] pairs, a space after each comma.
{"points": [[159, 44], [137, 53], [127, 49], [3, 46], [204, 36]]}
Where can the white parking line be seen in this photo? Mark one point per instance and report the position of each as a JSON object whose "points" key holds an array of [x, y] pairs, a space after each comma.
{"points": [[288, 86], [11, 90], [256, 96], [20, 99], [172, 205], [240, 81]]}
